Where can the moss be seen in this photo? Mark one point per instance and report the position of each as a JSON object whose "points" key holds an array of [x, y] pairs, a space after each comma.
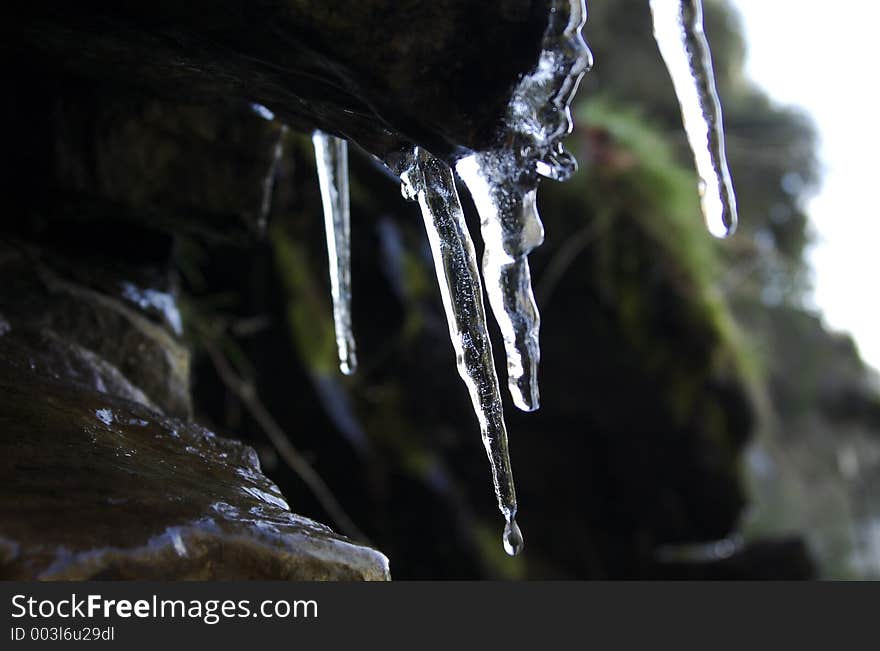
{"points": [[659, 186], [661, 194], [659, 270]]}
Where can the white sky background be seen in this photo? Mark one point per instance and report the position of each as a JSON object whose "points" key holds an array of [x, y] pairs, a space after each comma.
{"points": [[823, 55]]}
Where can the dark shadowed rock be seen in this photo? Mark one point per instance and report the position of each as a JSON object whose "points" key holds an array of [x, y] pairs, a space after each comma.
{"points": [[379, 72], [69, 331], [112, 164]]}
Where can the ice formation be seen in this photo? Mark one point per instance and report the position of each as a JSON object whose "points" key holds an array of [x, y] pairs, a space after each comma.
{"points": [[430, 181], [503, 182], [331, 158], [678, 29]]}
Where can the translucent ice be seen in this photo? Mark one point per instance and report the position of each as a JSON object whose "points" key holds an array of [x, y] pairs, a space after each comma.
{"points": [[511, 228], [331, 158], [539, 110], [678, 29], [503, 183], [430, 182]]}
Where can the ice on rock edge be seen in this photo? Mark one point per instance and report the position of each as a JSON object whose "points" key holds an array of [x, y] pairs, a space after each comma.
{"points": [[678, 29], [430, 181], [539, 112], [331, 159], [503, 183]]}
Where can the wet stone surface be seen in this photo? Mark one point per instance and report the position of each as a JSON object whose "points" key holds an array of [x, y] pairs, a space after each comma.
{"points": [[97, 480], [98, 487]]}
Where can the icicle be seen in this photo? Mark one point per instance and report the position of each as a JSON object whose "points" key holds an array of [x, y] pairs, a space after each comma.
{"points": [[331, 158], [503, 183], [511, 228], [678, 29], [430, 182]]}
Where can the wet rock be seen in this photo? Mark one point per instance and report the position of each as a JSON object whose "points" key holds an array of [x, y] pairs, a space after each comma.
{"points": [[98, 487], [96, 480]]}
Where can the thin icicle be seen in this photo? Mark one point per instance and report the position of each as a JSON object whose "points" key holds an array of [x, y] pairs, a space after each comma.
{"points": [[430, 181], [678, 29], [511, 228], [331, 158], [503, 183]]}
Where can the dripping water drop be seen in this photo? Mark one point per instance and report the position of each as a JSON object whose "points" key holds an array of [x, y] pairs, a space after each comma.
{"points": [[513, 539]]}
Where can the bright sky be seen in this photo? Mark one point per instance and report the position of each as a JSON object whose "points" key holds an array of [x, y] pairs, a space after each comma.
{"points": [[822, 55]]}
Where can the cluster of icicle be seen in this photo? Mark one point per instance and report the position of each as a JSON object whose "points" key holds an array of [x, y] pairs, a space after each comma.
{"points": [[503, 182]]}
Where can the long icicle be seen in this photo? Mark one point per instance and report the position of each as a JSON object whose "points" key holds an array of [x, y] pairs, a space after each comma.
{"points": [[430, 181], [678, 29], [331, 158]]}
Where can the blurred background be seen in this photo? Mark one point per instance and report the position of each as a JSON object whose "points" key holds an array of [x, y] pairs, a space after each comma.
{"points": [[705, 414]]}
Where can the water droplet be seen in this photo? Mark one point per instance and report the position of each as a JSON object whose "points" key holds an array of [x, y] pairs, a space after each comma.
{"points": [[513, 539]]}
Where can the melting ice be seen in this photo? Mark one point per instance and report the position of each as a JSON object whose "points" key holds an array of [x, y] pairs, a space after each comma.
{"points": [[678, 29]]}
